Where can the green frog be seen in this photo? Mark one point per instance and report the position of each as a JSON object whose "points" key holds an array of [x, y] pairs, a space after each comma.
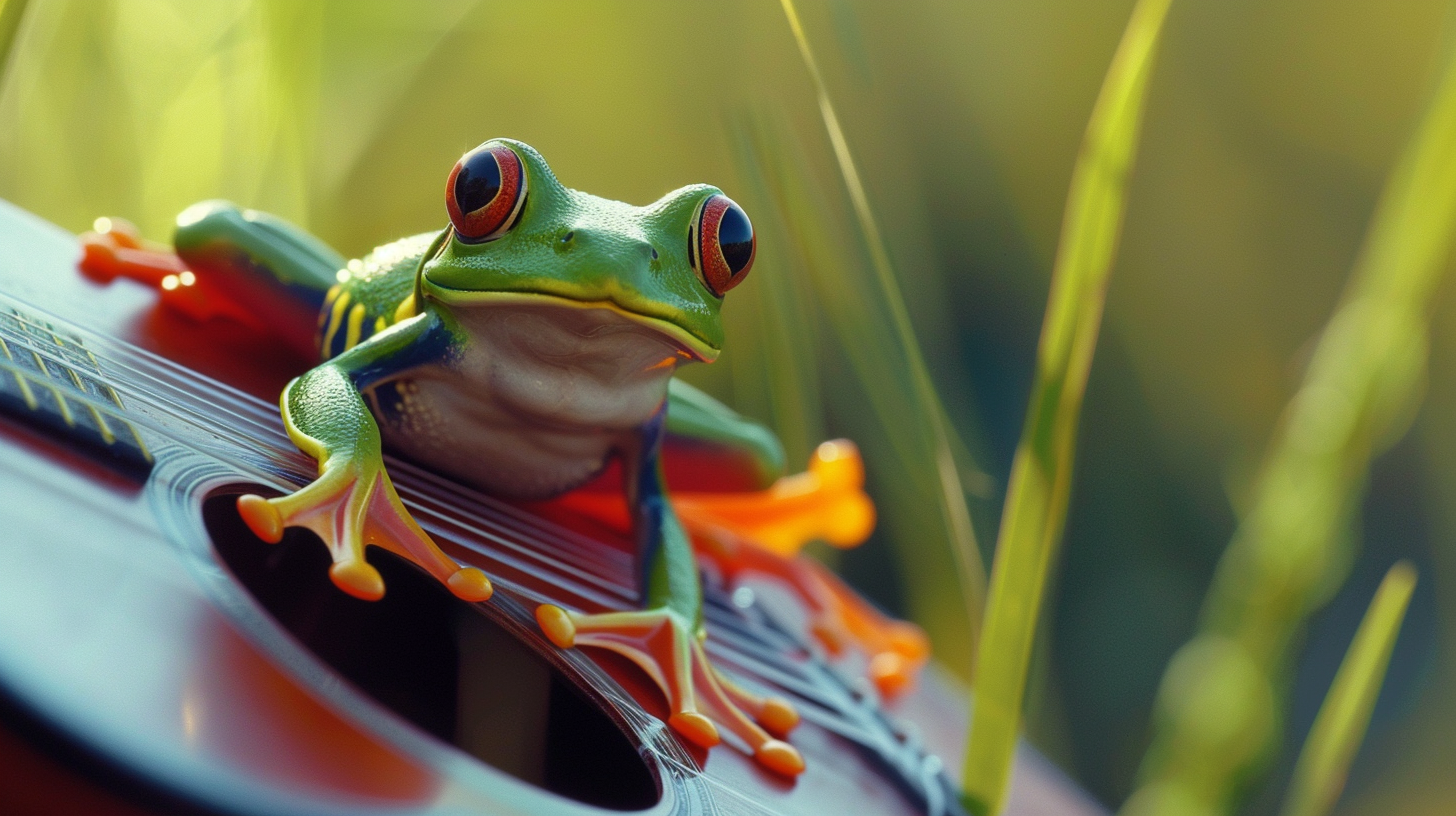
{"points": [[519, 349]]}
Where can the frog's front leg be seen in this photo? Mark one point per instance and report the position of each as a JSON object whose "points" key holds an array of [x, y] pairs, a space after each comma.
{"points": [[353, 503], [665, 638]]}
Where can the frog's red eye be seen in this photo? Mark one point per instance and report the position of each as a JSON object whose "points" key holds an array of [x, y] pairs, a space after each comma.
{"points": [[721, 245], [485, 193]]}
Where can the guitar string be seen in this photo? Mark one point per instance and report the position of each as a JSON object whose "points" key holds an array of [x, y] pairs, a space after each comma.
{"points": [[182, 387], [480, 527]]}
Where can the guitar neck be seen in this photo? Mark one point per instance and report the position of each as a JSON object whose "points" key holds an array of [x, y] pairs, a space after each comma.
{"points": [[49, 377]]}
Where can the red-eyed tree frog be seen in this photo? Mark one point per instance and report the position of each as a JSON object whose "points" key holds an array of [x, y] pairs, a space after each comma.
{"points": [[519, 349]]}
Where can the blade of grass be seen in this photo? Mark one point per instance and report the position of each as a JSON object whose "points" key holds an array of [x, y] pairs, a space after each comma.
{"points": [[811, 231], [952, 499], [785, 315], [1339, 728], [11, 12], [1294, 545], [1036, 496]]}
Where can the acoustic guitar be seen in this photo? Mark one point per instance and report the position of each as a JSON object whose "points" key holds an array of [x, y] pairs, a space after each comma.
{"points": [[156, 657]]}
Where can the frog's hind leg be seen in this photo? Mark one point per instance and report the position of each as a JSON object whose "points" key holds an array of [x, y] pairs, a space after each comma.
{"points": [[243, 264], [269, 267]]}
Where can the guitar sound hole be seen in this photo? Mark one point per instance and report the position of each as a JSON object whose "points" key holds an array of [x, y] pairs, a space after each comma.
{"points": [[441, 664]]}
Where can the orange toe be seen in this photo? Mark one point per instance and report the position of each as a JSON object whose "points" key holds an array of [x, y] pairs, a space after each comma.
{"points": [[780, 757], [778, 716], [470, 584], [697, 728], [890, 673], [261, 517], [909, 640], [359, 579], [120, 230], [557, 625]]}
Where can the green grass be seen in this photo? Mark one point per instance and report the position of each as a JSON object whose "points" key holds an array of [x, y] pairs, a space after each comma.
{"points": [[1319, 775], [11, 12], [1041, 474], [950, 499], [1220, 701]]}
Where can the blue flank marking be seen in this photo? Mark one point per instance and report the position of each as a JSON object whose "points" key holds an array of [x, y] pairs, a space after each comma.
{"points": [[651, 496], [433, 344]]}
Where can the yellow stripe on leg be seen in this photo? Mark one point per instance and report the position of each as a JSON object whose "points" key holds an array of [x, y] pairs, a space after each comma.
{"points": [[336, 317], [356, 323]]}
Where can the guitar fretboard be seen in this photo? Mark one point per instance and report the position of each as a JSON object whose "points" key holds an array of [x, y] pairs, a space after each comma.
{"points": [[49, 378]]}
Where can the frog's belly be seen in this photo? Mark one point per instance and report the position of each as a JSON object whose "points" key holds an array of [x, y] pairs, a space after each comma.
{"points": [[536, 402], [482, 444]]}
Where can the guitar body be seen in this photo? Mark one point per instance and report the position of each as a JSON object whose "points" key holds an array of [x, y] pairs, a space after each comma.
{"points": [[155, 656]]}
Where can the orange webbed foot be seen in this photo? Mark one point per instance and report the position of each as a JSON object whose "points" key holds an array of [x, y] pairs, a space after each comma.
{"points": [[349, 507], [826, 503], [703, 702], [895, 651]]}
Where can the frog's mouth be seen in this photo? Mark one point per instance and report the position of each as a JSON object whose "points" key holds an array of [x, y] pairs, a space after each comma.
{"points": [[691, 347]]}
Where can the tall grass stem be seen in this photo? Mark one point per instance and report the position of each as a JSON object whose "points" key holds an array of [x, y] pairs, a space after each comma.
{"points": [[11, 13], [1293, 547], [952, 499], [1319, 775], [1036, 497]]}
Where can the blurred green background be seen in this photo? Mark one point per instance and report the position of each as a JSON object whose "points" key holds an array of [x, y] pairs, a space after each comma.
{"points": [[1270, 128]]}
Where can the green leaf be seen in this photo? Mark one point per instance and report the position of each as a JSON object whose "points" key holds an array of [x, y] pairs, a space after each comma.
{"points": [[1036, 499]]}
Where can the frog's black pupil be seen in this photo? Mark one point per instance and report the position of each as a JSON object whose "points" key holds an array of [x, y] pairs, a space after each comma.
{"points": [[478, 183], [735, 236]]}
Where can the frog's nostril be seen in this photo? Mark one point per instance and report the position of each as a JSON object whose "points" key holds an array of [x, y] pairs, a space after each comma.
{"points": [[570, 234], [654, 253]]}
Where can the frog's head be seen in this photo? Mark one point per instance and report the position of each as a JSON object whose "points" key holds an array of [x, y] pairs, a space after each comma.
{"points": [[518, 235]]}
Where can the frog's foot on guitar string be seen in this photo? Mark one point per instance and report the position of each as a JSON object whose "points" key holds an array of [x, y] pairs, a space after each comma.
{"points": [[350, 506], [700, 698]]}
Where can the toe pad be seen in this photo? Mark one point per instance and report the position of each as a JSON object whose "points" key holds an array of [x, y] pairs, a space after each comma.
{"points": [[697, 728], [470, 584], [261, 517], [557, 625], [780, 757], [778, 716], [359, 579]]}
